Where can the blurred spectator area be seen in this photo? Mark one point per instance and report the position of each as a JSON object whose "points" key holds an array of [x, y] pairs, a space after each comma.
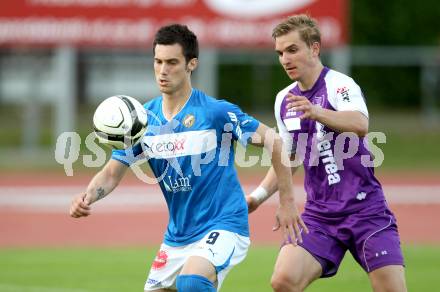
{"points": [[59, 59], [44, 92]]}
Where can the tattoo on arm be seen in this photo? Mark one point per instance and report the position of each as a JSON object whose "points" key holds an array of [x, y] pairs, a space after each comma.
{"points": [[101, 193]]}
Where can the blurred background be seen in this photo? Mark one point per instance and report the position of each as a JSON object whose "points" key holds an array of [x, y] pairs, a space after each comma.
{"points": [[60, 58]]}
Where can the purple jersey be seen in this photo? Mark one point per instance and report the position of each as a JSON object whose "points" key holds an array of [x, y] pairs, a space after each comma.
{"points": [[336, 180]]}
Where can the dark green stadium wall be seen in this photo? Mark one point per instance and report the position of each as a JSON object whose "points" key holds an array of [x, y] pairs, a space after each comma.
{"points": [[373, 23]]}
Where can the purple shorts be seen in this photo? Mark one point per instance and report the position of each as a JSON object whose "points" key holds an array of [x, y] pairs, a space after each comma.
{"points": [[371, 236]]}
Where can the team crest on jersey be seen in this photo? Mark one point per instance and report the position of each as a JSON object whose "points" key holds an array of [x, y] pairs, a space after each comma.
{"points": [[188, 120], [160, 260], [318, 100], [344, 92]]}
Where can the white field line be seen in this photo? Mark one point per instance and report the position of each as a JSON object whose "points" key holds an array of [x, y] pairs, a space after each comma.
{"points": [[20, 288], [58, 198]]}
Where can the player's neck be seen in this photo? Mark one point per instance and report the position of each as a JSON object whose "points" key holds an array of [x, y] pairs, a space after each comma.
{"points": [[310, 79], [173, 103]]}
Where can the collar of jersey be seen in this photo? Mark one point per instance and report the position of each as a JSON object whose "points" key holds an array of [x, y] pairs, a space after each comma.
{"points": [[183, 107]]}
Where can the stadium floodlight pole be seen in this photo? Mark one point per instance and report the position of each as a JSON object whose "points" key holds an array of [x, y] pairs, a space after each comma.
{"points": [[64, 101], [207, 71]]}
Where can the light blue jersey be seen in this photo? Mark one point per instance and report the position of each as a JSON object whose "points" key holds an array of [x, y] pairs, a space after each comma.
{"points": [[192, 157]]}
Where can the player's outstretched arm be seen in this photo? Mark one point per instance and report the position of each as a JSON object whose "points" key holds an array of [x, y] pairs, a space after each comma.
{"points": [[100, 186], [287, 217]]}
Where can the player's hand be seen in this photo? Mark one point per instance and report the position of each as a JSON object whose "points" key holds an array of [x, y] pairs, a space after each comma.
{"points": [[302, 104], [290, 222], [252, 203], [79, 206]]}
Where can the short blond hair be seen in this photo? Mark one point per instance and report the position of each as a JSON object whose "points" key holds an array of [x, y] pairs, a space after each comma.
{"points": [[306, 26]]}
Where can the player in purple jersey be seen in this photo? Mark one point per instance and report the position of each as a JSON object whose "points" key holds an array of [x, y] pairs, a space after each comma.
{"points": [[323, 117]]}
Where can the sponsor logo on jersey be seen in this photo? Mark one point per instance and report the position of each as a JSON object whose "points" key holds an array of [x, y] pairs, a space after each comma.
{"points": [[188, 120], [344, 92], [173, 146], [160, 260], [180, 144], [327, 158], [320, 130], [180, 184]]}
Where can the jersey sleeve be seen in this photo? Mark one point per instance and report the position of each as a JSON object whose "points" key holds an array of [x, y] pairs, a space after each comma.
{"points": [[232, 119], [347, 96], [128, 156], [282, 129]]}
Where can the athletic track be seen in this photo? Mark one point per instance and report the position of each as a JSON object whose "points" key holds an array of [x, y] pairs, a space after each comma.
{"points": [[34, 212]]}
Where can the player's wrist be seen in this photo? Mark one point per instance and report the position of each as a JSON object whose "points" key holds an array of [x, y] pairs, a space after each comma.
{"points": [[316, 113], [260, 194]]}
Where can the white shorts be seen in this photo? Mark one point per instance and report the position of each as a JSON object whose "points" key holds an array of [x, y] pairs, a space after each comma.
{"points": [[222, 248]]}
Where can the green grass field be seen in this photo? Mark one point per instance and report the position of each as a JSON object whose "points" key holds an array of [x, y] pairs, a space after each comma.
{"points": [[411, 146], [124, 270]]}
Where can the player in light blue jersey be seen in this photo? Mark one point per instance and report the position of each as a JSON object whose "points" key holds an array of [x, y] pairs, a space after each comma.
{"points": [[189, 147]]}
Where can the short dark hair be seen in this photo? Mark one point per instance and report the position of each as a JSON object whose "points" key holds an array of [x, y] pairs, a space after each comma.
{"points": [[178, 34]]}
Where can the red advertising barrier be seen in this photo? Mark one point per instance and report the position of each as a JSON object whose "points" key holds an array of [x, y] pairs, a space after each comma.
{"points": [[132, 23]]}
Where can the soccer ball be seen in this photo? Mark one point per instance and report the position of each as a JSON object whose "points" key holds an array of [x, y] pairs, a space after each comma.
{"points": [[119, 121]]}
